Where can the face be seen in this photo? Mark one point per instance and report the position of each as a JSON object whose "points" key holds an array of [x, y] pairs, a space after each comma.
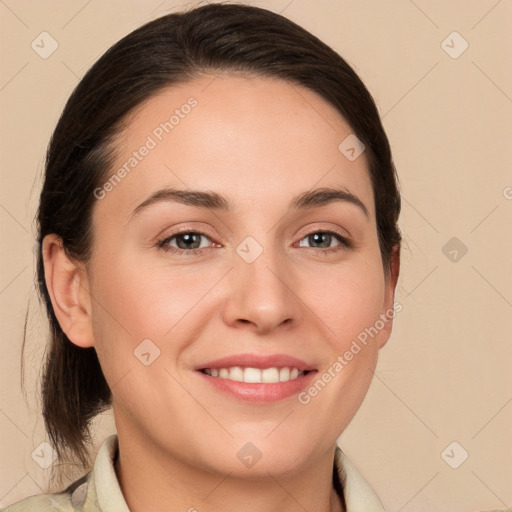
{"points": [[239, 246]]}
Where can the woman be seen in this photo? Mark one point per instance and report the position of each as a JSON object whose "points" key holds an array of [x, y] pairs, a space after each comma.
{"points": [[219, 251]]}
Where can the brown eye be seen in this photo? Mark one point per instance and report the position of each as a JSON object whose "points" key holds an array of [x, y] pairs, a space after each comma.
{"points": [[186, 242], [323, 240]]}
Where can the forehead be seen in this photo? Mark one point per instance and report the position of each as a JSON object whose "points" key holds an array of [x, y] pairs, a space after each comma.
{"points": [[257, 141]]}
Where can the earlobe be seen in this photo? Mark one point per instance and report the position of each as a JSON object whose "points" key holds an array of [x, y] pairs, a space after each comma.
{"points": [[69, 292], [389, 301]]}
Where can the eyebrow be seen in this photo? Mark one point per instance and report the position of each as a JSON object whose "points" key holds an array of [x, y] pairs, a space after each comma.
{"points": [[213, 200]]}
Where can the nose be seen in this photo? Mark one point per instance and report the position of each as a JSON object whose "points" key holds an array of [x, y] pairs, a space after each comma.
{"points": [[261, 295]]}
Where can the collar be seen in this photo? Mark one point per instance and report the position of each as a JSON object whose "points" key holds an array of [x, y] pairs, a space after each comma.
{"points": [[100, 491]]}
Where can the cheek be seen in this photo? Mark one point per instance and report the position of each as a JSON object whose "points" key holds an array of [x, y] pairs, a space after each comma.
{"points": [[348, 299], [133, 308], [146, 300], [134, 301]]}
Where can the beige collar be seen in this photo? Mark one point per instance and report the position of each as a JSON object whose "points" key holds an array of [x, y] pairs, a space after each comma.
{"points": [[101, 491]]}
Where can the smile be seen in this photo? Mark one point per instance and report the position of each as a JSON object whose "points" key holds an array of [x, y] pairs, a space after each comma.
{"points": [[255, 375], [257, 378]]}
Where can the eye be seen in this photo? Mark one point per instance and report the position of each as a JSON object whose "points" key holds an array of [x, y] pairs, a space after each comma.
{"points": [[193, 242], [326, 241], [190, 242]]}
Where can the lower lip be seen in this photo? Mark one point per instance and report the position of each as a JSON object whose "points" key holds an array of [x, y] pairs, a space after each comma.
{"points": [[272, 392]]}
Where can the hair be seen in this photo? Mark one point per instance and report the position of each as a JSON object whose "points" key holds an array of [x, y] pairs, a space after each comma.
{"points": [[174, 49]]}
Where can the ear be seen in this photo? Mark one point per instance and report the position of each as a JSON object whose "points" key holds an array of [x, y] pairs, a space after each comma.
{"points": [[68, 288], [390, 308]]}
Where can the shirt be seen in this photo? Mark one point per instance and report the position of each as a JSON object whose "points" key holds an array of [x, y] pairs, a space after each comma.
{"points": [[99, 490]]}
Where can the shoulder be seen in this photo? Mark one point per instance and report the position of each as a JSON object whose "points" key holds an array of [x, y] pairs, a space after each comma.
{"points": [[60, 502], [68, 500], [97, 490]]}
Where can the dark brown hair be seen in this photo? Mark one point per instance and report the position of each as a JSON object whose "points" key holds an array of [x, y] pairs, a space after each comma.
{"points": [[174, 49]]}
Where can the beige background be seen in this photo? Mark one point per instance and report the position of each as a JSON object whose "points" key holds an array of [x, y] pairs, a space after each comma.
{"points": [[445, 374]]}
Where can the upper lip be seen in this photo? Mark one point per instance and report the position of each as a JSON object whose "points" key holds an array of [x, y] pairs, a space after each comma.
{"points": [[257, 361]]}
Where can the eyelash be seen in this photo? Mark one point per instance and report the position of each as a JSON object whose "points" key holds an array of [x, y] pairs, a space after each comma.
{"points": [[164, 243]]}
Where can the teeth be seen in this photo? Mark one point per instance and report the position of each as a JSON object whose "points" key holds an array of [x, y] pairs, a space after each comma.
{"points": [[270, 375], [255, 375], [236, 373], [251, 375]]}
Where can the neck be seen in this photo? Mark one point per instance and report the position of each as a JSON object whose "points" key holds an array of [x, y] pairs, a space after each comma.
{"points": [[153, 481]]}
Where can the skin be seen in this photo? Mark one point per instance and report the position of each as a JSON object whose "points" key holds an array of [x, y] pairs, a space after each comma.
{"points": [[258, 142]]}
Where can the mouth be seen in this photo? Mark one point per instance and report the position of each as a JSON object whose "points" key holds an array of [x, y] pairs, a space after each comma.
{"points": [[257, 378], [250, 375]]}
